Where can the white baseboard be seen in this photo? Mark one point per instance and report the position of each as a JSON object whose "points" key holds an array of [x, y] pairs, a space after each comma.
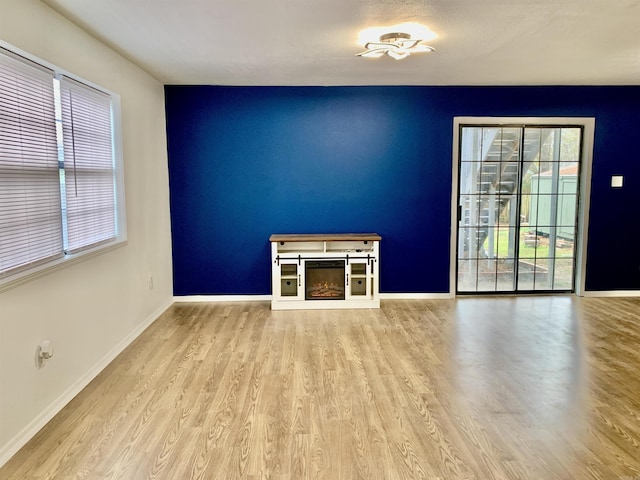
{"points": [[416, 296], [383, 296], [221, 298], [613, 293], [17, 442], [268, 298]]}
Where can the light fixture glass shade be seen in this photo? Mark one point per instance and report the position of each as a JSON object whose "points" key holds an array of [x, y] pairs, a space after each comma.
{"points": [[377, 53], [397, 45], [398, 53], [420, 47]]}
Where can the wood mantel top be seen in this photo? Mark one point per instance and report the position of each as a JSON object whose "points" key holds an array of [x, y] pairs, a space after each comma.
{"points": [[324, 237]]}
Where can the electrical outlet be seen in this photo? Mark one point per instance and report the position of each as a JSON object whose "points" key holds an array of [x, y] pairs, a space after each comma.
{"points": [[44, 352]]}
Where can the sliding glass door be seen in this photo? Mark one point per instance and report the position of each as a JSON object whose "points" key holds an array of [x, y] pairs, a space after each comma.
{"points": [[517, 208]]}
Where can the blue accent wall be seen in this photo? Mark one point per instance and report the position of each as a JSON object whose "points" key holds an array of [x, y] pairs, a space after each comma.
{"points": [[246, 162]]}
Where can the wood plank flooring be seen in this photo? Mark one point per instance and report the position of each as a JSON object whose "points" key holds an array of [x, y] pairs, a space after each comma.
{"points": [[472, 388]]}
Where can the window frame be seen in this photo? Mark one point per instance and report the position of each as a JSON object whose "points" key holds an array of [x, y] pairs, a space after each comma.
{"points": [[66, 259], [588, 125]]}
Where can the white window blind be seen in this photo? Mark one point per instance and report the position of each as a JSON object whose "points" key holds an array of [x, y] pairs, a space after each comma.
{"points": [[30, 213], [89, 174]]}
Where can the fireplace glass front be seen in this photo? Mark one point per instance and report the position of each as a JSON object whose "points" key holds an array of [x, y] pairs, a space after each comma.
{"points": [[324, 280]]}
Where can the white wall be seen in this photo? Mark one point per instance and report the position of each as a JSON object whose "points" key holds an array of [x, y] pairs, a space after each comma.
{"points": [[92, 309]]}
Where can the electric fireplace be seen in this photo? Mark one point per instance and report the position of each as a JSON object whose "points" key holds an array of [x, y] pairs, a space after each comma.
{"points": [[324, 280], [339, 267]]}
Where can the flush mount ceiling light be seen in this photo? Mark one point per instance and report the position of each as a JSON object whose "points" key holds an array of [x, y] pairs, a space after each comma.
{"points": [[397, 42]]}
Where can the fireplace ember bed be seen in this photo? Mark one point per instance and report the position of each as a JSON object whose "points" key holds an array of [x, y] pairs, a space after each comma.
{"points": [[325, 271]]}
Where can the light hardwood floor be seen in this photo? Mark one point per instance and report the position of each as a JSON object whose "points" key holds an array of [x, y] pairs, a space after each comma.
{"points": [[474, 388]]}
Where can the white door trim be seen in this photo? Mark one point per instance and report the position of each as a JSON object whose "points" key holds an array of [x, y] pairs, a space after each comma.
{"points": [[588, 124]]}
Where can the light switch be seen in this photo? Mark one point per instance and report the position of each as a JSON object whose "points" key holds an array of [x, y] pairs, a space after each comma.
{"points": [[616, 181]]}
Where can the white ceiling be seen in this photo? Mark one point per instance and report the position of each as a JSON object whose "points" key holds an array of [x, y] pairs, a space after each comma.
{"points": [[313, 42]]}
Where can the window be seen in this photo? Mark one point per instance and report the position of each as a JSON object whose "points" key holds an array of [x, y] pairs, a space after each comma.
{"points": [[88, 166], [520, 203], [59, 181], [518, 200]]}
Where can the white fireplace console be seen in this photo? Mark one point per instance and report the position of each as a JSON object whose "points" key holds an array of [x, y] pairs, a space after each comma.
{"points": [[324, 271]]}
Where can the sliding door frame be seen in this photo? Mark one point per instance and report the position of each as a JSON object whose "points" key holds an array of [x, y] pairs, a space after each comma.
{"points": [[588, 126]]}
